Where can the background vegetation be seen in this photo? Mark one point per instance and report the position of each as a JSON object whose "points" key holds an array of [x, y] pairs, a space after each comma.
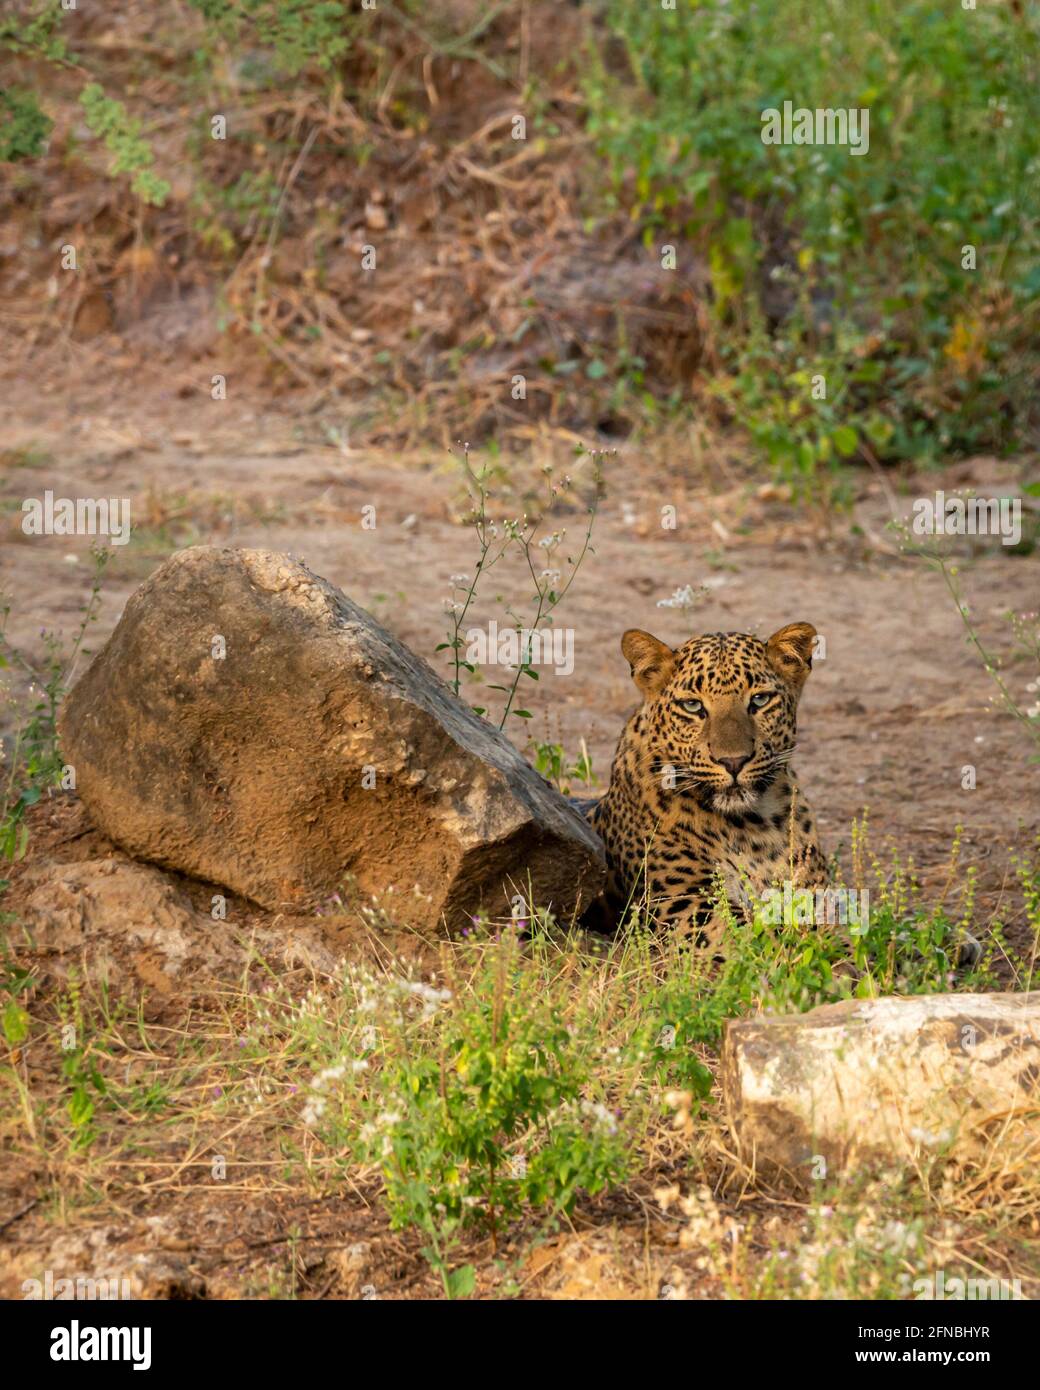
{"points": [[394, 127]]}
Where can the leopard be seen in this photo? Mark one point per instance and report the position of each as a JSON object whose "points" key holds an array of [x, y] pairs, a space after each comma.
{"points": [[701, 789]]}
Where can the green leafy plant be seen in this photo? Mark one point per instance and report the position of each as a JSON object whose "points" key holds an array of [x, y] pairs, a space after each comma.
{"points": [[24, 128], [295, 32], [132, 155], [475, 1104], [907, 275], [33, 33], [551, 762], [14, 1018], [84, 1084]]}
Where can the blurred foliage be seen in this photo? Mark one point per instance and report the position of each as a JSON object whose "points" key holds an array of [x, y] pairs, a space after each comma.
{"points": [[132, 155], [844, 320], [826, 262], [294, 32], [23, 126]]}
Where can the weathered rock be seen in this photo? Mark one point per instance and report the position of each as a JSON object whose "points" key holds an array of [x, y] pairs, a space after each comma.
{"points": [[134, 928], [317, 751], [76, 912], [101, 1263], [884, 1080], [356, 1266]]}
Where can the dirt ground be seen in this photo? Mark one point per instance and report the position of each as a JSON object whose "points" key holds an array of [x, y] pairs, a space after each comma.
{"points": [[892, 713], [894, 710]]}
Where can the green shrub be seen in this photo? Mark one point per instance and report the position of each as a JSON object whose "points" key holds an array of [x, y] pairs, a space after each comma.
{"points": [[852, 263], [24, 128], [475, 1102], [132, 155], [296, 32]]}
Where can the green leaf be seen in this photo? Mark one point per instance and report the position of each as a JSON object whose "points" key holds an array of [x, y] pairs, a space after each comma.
{"points": [[845, 440], [81, 1107], [462, 1281], [15, 1024]]}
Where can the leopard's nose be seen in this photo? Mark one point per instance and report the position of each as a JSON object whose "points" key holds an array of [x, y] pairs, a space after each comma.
{"points": [[733, 765]]}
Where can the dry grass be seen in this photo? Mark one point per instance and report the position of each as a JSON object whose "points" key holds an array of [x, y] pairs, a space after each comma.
{"points": [[117, 1142], [488, 266]]}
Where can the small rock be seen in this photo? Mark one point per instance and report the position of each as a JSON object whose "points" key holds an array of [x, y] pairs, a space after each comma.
{"points": [[878, 1081], [353, 1268]]}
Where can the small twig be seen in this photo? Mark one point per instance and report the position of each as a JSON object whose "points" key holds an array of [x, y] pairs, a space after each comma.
{"points": [[19, 1214]]}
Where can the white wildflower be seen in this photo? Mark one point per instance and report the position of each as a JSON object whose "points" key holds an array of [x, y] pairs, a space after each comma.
{"points": [[684, 598]]}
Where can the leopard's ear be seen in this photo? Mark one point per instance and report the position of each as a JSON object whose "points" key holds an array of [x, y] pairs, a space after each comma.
{"points": [[789, 652], [652, 662]]}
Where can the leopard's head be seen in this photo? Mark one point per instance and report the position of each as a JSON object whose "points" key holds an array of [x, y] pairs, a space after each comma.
{"points": [[720, 711]]}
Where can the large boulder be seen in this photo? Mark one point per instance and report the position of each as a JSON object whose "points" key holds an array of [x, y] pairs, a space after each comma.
{"points": [[884, 1081], [248, 724]]}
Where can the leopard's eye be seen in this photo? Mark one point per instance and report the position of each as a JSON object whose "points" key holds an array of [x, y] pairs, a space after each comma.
{"points": [[761, 700], [691, 706]]}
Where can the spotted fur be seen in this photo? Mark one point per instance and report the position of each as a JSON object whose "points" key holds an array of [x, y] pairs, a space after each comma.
{"points": [[701, 782]]}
